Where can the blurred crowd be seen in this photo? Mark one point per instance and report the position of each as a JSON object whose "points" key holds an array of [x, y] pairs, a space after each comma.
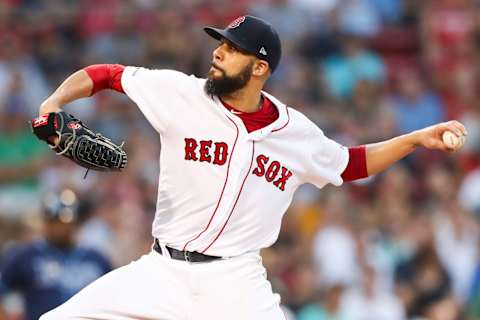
{"points": [[400, 245]]}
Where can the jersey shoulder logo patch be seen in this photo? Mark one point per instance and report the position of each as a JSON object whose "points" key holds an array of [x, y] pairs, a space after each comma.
{"points": [[237, 22]]}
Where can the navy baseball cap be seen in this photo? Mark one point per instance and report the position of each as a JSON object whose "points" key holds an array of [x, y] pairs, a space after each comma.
{"points": [[253, 35]]}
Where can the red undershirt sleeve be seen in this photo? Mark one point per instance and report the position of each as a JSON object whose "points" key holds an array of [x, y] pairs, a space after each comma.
{"points": [[357, 164], [105, 76]]}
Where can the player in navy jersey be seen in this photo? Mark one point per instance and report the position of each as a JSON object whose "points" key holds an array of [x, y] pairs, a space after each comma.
{"points": [[48, 272]]}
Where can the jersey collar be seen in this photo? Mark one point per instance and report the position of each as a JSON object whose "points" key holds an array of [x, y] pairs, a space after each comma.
{"points": [[260, 134]]}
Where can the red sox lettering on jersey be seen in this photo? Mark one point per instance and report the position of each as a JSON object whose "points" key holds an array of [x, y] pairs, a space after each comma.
{"points": [[272, 172], [223, 190], [201, 151]]}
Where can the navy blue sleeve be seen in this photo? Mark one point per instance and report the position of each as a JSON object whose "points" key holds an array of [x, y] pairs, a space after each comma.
{"points": [[14, 269]]}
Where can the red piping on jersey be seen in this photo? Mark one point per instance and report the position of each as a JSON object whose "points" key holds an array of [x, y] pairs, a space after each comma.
{"points": [[288, 115], [223, 189], [236, 200]]}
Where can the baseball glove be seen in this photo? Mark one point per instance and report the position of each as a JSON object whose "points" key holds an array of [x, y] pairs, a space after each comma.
{"points": [[78, 143]]}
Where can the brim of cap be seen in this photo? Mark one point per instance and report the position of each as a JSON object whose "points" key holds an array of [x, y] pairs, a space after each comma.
{"points": [[218, 34]]}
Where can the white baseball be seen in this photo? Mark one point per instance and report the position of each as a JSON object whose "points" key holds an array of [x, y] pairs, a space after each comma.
{"points": [[451, 141]]}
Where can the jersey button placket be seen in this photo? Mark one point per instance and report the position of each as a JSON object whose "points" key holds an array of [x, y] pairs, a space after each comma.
{"points": [[242, 165], [239, 165]]}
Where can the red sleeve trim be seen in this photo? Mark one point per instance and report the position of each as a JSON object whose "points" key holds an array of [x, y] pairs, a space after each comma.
{"points": [[105, 76], [357, 164]]}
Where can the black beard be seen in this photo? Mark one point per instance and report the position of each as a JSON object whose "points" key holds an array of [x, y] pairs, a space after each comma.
{"points": [[226, 85]]}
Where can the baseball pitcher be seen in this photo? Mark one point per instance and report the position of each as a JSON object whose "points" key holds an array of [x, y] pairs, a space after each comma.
{"points": [[232, 157]]}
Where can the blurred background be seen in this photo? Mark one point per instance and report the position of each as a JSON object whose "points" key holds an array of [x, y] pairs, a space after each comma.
{"points": [[400, 245]]}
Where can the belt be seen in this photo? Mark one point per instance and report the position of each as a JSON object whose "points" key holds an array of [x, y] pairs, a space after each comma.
{"points": [[185, 255]]}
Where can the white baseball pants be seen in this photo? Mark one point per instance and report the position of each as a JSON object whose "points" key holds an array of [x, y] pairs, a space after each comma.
{"points": [[160, 288]]}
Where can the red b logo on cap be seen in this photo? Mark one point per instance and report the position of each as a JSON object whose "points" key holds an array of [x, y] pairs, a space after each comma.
{"points": [[235, 23]]}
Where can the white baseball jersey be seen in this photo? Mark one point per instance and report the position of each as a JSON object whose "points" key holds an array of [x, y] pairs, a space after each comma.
{"points": [[223, 191]]}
